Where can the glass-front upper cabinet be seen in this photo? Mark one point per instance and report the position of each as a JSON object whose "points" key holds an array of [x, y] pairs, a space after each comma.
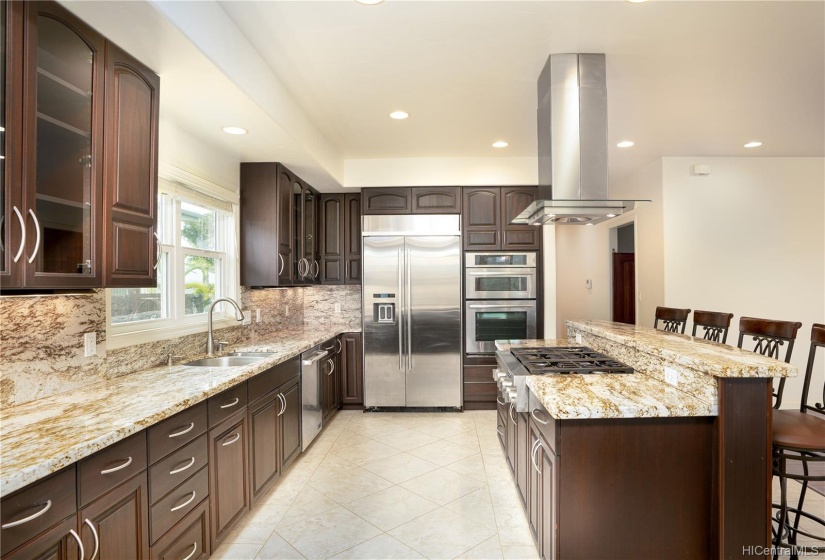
{"points": [[62, 173], [11, 215], [310, 250], [4, 237]]}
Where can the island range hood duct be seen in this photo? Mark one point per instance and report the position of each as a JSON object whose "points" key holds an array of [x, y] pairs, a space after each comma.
{"points": [[572, 144]]}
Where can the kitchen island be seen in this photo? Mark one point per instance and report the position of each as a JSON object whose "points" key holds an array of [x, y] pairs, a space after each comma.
{"points": [[630, 466]]}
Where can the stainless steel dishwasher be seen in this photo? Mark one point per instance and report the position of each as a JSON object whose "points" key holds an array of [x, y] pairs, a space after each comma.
{"points": [[311, 414]]}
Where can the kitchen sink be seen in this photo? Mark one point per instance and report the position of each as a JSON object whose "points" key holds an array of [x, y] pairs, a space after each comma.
{"points": [[227, 361]]}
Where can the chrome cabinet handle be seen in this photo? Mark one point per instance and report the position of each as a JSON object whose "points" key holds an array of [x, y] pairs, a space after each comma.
{"points": [[500, 430], [73, 533], [317, 269], [157, 251], [501, 401], [29, 518], [401, 305], [331, 367], [23, 234], [36, 239], [233, 403], [283, 402], [512, 418], [118, 468], [230, 442], [184, 431], [97, 539], [536, 447], [536, 418], [194, 550], [281, 260], [189, 501], [340, 346], [181, 469]]}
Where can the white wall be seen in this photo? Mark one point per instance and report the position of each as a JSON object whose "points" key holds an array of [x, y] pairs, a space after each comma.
{"points": [[749, 239], [440, 172], [179, 148]]}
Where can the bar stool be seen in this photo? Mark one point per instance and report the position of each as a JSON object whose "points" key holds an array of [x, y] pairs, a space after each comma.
{"points": [[769, 336], [672, 318], [715, 324], [799, 436]]}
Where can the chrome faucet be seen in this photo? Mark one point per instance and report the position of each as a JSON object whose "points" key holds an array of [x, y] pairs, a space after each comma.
{"points": [[210, 343]]}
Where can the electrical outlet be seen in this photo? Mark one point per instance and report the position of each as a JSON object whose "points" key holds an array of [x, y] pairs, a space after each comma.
{"points": [[672, 376], [578, 338], [640, 295], [257, 315], [286, 311], [247, 318], [588, 284], [89, 344], [337, 307]]}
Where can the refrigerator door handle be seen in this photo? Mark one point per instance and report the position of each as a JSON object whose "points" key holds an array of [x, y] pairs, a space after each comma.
{"points": [[401, 314], [408, 308]]}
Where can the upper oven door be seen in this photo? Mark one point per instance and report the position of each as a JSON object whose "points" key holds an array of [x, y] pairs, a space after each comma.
{"points": [[491, 320], [500, 283]]}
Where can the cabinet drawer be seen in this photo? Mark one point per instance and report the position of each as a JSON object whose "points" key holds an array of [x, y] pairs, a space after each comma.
{"points": [[545, 423], [183, 499], [225, 404], [176, 431], [478, 374], [265, 382], [106, 469], [55, 497], [480, 392], [177, 467], [187, 540]]}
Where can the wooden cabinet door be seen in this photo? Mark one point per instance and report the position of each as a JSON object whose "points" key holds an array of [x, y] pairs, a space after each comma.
{"points": [[116, 523], [327, 386], [534, 486], [352, 238], [387, 200], [63, 147], [285, 216], [228, 479], [352, 370], [548, 531], [512, 438], [262, 253], [54, 544], [522, 456], [332, 238], [501, 423], [481, 218], [130, 184], [518, 237], [290, 424], [264, 444], [310, 234], [436, 200]]}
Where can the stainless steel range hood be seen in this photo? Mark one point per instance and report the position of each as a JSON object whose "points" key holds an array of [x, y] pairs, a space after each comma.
{"points": [[572, 144]]}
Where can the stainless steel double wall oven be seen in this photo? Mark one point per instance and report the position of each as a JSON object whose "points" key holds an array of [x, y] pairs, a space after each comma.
{"points": [[500, 299]]}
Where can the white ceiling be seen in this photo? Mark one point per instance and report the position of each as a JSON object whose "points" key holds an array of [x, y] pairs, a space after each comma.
{"points": [[684, 78]]}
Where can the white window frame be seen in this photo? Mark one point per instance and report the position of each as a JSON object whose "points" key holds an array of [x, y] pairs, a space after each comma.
{"points": [[227, 230]]}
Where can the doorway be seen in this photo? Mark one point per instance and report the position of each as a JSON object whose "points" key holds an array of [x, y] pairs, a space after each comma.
{"points": [[624, 273]]}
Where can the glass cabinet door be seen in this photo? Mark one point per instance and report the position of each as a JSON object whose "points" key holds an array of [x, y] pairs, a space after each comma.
{"points": [[309, 233], [4, 238]]}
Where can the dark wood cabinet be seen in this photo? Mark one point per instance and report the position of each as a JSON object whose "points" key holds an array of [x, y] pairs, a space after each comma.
{"points": [[290, 424], [436, 200], [522, 456], [305, 262], [330, 378], [116, 523], [228, 476], [487, 213], [352, 238], [188, 539], [547, 500], [264, 444], [480, 390], [55, 544], [340, 238], [386, 200], [130, 169], [352, 371], [512, 439], [518, 237]]}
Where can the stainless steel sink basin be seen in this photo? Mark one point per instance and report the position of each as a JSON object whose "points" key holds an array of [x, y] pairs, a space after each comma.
{"points": [[226, 361], [252, 354]]}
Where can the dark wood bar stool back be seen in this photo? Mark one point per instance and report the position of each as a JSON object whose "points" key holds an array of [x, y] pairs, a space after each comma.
{"points": [[672, 319], [768, 336], [715, 325], [798, 439]]}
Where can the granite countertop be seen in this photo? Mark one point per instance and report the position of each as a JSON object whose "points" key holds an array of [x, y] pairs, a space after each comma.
{"points": [[713, 358], [635, 395], [43, 436]]}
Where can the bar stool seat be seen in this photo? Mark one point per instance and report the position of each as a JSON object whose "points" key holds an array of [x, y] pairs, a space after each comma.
{"points": [[798, 430]]}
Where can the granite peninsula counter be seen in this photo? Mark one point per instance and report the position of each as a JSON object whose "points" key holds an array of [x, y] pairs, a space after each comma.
{"points": [[43, 436]]}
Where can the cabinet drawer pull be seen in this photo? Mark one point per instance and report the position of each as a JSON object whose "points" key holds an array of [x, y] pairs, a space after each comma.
{"points": [[36, 239], [157, 253], [282, 400], [29, 518], [118, 468], [176, 471], [73, 533], [536, 418], [230, 442], [194, 550], [184, 504], [340, 346], [536, 447], [512, 418], [184, 431], [501, 401], [233, 403], [281, 260], [500, 430], [97, 539], [22, 232], [331, 367]]}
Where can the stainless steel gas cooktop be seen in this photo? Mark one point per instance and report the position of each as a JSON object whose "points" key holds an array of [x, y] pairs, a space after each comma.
{"points": [[565, 360]]}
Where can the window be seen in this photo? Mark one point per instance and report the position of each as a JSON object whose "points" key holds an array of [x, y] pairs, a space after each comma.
{"points": [[196, 265]]}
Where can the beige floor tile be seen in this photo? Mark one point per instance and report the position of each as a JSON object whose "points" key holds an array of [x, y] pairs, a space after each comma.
{"points": [[286, 490], [347, 486], [467, 439], [265, 513], [236, 551], [443, 452], [405, 440], [308, 503], [382, 547], [332, 463], [390, 508], [251, 532], [444, 429], [400, 468], [442, 534], [348, 438], [276, 548], [442, 486], [376, 428], [472, 466], [519, 552], [475, 506], [328, 533], [488, 550], [366, 452], [513, 529]]}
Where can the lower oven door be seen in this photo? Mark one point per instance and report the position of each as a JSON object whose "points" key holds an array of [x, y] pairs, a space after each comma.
{"points": [[491, 320]]}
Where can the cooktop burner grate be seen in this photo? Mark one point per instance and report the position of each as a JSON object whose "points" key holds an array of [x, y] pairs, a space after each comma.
{"points": [[574, 359]]}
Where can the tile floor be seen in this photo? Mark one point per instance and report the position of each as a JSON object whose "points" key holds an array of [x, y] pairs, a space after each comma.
{"points": [[391, 486]]}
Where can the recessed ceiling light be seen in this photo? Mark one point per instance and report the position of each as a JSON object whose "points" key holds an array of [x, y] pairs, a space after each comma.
{"points": [[399, 115], [753, 144], [637, 1], [500, 144], [234, 130], [590, 224], [625, 144], [369, 2], [610, 216]]}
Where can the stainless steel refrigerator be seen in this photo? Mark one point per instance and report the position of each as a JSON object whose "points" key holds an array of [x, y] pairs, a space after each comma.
{"points": [[412, 311]]}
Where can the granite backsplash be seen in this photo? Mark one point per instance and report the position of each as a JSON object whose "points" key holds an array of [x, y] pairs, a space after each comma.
{"points": [[41, 337]]}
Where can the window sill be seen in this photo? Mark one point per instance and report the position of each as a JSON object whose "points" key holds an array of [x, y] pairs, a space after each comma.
{"points": [[116, 339]]}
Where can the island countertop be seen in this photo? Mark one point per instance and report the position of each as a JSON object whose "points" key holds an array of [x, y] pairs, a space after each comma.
{"points": [[45, 435]]}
